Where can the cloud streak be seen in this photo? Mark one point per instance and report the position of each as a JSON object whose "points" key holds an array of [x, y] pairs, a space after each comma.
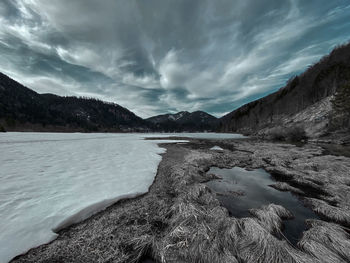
{"points": [[165, 56]]}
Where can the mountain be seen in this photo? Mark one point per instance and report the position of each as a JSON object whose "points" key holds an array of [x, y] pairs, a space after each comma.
{"points": [[22, 109], [305, 101], [184, 121]]}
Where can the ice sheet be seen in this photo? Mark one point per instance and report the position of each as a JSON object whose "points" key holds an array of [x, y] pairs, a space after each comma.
{"points": [[203, 135], [51, 180]]}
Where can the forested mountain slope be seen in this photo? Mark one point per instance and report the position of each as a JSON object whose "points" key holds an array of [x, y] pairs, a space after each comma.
{"points": [[23, 109], [306, 100]]}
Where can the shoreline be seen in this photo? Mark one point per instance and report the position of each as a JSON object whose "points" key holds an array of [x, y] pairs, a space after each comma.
{"points": [[181, 220]]}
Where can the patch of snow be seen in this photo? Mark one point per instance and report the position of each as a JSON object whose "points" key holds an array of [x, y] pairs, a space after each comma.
{"points": [[51, 180], [171, 117], [216, 148], [179, 116]]}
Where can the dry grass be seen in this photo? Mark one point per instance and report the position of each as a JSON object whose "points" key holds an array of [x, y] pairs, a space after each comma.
{"points": [[142, 246], [257, 244], [200, 230], [197, 227], [205, 233], [270, 217], [326, 242], [282, 186], [180, 220], [332, 213], [308, 185]]}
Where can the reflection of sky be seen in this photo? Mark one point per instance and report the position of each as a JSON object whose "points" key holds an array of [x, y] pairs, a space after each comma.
{"points": [[257, 192], [160, 56]]}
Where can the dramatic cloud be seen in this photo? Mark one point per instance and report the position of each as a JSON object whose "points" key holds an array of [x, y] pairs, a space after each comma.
{"points": [[159, 56]]}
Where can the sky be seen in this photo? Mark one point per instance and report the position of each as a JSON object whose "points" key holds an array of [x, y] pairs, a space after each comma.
{"points": [[164, 56]]}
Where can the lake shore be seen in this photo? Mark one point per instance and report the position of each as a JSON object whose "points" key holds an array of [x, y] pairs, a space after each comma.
{"points": [[181, 220]]}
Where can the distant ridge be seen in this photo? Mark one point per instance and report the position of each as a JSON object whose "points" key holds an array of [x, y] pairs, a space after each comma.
{"points": [[305, 101], [185, 121], [22, 109]]}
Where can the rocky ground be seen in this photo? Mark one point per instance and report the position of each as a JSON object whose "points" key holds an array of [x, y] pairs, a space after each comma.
{"points": [[181, 220]]}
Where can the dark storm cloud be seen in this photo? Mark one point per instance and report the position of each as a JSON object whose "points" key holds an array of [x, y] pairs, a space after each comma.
{"points": [[158, 56]]}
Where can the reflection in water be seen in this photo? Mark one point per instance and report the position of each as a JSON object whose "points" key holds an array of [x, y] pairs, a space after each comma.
{"points": [[240, 190]]}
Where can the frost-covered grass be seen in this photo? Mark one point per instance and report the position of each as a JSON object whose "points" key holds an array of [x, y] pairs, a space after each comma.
{"points": [[51, 180]]}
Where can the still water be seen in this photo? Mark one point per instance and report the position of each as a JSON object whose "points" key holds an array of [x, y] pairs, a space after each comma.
{"points": [[240, 190]]}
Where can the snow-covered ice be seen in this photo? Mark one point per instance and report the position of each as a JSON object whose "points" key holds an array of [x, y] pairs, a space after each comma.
{"points": [[204, 135], [48, 181], [51, 180], [216, 148]]}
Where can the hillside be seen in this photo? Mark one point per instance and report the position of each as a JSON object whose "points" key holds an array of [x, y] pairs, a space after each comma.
{"points": [[22, 109], [184, 121], [304, 101]]}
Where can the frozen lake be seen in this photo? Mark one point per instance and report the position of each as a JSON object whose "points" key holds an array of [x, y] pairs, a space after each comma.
{"points": [[51, 180], [208, 135]]}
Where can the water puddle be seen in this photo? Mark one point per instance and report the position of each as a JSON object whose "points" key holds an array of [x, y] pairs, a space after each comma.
{"points": [[240, 190]]}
